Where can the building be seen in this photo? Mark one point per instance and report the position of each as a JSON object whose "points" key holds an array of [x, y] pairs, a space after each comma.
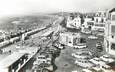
{"points": [[110, 35], [17, 59], [74, 22], [100, 21], [71, 39], [88, 23]]}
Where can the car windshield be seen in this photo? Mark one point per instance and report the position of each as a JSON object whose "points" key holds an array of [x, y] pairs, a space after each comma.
{"points": [[96, 60]]}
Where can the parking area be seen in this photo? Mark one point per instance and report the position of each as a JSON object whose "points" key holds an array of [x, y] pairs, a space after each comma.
{"points": [[66, 63]]}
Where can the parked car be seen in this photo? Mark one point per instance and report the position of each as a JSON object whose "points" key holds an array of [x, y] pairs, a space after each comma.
{"points": [[86, 70], [58, 45], [84, 63], [106, 68], [40, 59], [97, 61], [43, 59], [75, 71], [97, 69], [80, 45], [107, 58], [81, 55], [61, 46], [93, 37], [87, 32], [100, 34], [35, 68]]}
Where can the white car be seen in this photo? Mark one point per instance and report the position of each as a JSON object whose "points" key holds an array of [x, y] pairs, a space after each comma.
{"points": [[107, 58], [97, 61], [92, 37], [97, 69], [81, 55], [86, 70], [84, 63], [87, 32], [106, 68], [79, 46], [75, 71], [100, 34], [58, 45]]}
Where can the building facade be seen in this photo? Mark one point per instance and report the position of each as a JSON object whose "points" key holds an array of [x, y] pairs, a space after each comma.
{"points": [[73, 22], [100, 21], [71, 39], [110, 35]]}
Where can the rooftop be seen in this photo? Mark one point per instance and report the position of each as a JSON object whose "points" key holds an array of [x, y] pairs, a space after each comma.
{"points": [[9, 60], [71, 34]]}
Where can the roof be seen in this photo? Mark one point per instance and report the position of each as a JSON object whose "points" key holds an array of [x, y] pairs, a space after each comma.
{"points": [[71, 34], [112, 10], [9, 60], [48, 33]]}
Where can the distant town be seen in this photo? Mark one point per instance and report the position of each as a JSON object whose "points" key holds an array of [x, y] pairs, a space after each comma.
{"points": [[58, 42]]}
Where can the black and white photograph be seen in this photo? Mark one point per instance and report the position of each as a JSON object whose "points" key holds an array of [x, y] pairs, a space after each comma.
{"points": [[57, 35]]}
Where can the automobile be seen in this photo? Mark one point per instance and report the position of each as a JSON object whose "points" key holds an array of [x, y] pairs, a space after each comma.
{"points": [[86, 32], [97, 61], [35, 68], [75, 71], [84, 63], [107, 58], [100, 34], [97, 69], [86, 70], [58, 45], [82, 55], [80, 45], [92, 37], [40, 59], [61, 46], [106, 68]]}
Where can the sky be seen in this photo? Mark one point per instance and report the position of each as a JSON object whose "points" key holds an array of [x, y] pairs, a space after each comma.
{"points": [[18, 7]]}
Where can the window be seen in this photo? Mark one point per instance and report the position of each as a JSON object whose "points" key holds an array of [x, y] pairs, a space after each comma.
{"points": [[100, 25], [113, 46], [82, 40], [102, 20], [96, 20], [75, 23], [113, 17], [90, 23], [112, 36], [113, 29], [70, 42]]}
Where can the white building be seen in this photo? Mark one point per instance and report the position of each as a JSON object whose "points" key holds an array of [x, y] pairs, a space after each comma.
{"points": [[110, 35], [86, 20], [74, 22], [100, 21], [70, 39]]}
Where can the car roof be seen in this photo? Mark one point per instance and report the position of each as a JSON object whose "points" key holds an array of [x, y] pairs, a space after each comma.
{"points": [[87, 70]]}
